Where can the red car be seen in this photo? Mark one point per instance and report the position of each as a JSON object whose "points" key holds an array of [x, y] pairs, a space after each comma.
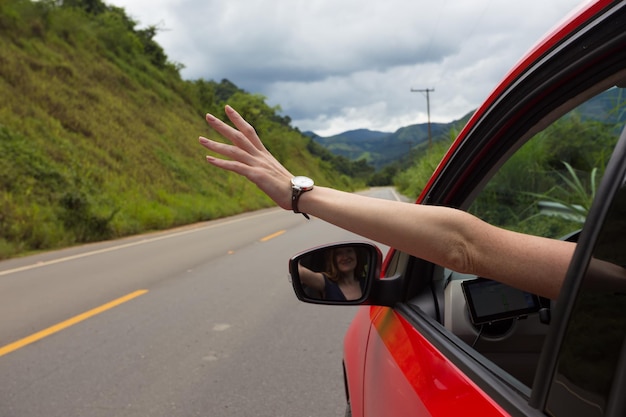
{"points": [[545, 154]]}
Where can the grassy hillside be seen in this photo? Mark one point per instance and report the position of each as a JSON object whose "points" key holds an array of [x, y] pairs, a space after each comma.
{"points": [[98, 132]]}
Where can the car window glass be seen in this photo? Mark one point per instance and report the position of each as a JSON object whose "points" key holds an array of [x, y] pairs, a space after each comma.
{"points": [[593, 355], [547, 186]]}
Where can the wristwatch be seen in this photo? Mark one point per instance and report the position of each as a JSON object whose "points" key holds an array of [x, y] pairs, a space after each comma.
{"points": [[299, 185]]}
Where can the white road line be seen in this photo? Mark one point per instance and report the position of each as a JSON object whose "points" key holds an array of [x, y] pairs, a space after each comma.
{"points": [[128, 245]]}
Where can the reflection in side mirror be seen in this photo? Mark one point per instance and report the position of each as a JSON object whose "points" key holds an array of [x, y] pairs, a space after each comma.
{"points": [[340, 273]]}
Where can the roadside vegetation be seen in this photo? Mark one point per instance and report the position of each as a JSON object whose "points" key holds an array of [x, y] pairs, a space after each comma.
{"points": [[559, 167], [98, 132]]}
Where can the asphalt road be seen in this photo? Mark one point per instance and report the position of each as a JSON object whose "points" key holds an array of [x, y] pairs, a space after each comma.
{"points": [[197, 321]]}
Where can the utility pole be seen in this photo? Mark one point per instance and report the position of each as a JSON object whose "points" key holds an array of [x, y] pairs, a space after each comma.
{"points": [[427, 91]]}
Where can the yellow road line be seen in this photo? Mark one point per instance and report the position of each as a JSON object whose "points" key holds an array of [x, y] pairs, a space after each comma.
{"points": [[273, 235], [67, 323]]}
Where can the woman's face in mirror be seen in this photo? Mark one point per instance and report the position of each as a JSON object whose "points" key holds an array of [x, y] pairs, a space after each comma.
{"points": [[345, 259]]}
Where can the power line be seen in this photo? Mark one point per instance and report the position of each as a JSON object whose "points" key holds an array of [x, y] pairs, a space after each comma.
{"points": [[427, 91]]}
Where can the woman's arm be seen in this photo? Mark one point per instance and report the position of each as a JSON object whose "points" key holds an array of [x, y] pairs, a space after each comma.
{"points": [[445, 236], [448, 237], [311, 279]]}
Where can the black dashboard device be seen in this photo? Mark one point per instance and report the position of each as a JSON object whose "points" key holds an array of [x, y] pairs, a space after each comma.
{"points": [[490, 301]]}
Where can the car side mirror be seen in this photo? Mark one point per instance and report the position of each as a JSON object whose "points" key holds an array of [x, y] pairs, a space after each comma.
{"points": [[346, 273]]}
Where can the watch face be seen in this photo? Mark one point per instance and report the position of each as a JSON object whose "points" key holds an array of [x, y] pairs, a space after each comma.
{"points": [[305, 183]]}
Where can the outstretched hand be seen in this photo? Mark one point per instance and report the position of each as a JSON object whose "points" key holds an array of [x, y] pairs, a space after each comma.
{"points": [[248, 157]]}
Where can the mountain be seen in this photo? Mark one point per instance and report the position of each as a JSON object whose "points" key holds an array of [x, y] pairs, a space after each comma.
{"points": [[383, 148], [605, 107], [354, 144]]}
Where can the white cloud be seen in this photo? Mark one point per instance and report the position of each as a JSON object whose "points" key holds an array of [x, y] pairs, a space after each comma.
{"points": [[335, 65]]}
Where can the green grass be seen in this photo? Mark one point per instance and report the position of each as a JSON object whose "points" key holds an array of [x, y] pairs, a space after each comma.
{"points": [[99, 142]]}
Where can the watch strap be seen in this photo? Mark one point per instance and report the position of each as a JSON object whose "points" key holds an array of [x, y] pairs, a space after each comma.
{"points": [[296, 192]]}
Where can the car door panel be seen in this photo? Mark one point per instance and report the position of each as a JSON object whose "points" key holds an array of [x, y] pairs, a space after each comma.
{"points": [[355, 347], [406, 375]]}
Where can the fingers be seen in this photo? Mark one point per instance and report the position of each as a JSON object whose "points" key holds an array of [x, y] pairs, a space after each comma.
{"points": [[224, 149], [243, 136], [240, 162], [248, 157], [247, 146], [245, 128], [233, 166]]}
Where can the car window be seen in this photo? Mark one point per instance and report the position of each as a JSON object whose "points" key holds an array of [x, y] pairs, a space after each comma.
{"points": [[547, 186], [591, 366]]}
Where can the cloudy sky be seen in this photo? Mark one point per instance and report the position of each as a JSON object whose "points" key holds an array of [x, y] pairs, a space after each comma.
{"points": [[337, 65]]}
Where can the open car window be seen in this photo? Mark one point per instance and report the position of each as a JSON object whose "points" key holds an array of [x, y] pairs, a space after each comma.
{"points": [[545, 188]]}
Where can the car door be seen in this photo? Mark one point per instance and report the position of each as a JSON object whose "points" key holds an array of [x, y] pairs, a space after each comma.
{"points": [[423, 356]]}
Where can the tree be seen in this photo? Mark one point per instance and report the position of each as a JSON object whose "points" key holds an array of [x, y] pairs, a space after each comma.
{"points": [[94, 7]]}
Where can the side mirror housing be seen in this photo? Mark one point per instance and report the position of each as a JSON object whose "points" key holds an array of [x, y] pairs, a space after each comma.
{"points": [[346, 273]]}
